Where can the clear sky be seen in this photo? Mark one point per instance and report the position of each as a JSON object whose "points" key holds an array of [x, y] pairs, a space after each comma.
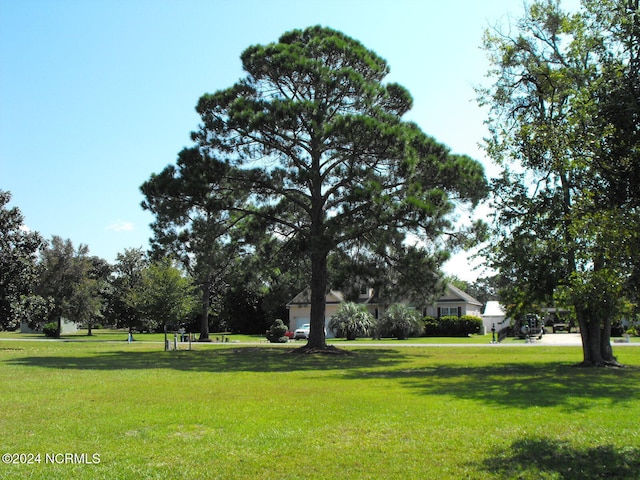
{"points": [[96, 95]]}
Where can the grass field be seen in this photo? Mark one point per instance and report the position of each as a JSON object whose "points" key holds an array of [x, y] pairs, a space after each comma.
{"points": [[258, 412]]}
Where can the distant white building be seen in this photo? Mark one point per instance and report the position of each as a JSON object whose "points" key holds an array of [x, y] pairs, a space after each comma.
{"points": [[66, 326], [494, 315]]}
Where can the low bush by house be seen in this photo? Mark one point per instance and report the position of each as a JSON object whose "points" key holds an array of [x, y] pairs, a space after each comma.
{"points": [[451, 326]]}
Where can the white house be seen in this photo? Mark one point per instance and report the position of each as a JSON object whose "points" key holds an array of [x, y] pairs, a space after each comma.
{"points": [[453, 302]]}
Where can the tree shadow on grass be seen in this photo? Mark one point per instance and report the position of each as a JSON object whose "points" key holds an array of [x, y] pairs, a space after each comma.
{"points": [[540, 458], [521, 385], [219, 360], [510, 385]]}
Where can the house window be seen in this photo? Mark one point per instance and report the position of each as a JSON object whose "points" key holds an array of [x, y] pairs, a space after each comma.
{"points": [[449, 311]]}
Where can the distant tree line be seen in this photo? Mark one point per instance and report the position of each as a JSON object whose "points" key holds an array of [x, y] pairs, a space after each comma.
{"points": [[43, 281]]}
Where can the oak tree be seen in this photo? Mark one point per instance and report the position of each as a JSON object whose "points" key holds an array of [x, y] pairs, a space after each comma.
{"points": [[564, 129], [18, 259]]}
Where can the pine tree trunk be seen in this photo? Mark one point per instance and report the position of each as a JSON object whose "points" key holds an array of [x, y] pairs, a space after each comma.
{"points": [[317, 340], [204, 319]]}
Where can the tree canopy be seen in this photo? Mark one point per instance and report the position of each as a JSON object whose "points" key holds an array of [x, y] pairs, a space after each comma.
{"points": [[164, 296], [196, 221], [317, 139], [564, 128], [18, 257], [70, 284]]}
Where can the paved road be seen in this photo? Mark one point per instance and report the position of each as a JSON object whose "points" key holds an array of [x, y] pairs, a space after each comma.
{"points": [[562, 339], [570, 339]]}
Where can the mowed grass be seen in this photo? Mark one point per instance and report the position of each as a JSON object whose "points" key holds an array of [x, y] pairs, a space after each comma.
{"points": [[259, 412], [101, 335]]}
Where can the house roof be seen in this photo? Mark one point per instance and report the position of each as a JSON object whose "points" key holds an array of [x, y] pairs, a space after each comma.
{"points": [[493, 309], [453, 291], [304, 297], [452, 294]]}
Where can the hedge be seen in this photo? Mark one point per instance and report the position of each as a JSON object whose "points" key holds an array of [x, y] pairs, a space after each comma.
{"points": [[452, 326]]}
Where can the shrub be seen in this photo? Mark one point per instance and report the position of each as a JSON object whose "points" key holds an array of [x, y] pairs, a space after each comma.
{"points": [[51, 330], [399, 321], [351, 320], [463, 326], [431, 326], [471, 325], [449, 326], [277, 333]]}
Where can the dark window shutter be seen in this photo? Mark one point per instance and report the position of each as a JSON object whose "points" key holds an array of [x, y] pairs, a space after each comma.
{"points": [[459, 312]]}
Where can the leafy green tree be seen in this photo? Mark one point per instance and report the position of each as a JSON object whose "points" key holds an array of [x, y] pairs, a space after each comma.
{"points": [[399, 321], [34, 310], [126, 278], [318, 140], [564, 128], [192, 202], [89, 295], [69, 280], [164, 296], [351, 320], [482, 289], [614, 141], [18, 260]]}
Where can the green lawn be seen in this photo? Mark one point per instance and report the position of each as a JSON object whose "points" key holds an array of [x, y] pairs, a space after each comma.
{"points": [[101, 335], [258, 412]]}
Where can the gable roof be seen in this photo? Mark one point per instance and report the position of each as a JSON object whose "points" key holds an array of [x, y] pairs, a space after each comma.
{"points": [[453, 291], [452, 294], [304, 297]]}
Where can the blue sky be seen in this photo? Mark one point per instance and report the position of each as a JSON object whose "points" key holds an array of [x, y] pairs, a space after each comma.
{"points": [[95, 95]]}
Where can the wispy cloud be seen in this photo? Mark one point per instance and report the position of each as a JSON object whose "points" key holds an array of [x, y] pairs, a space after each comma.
{"points": [[120, 226]]}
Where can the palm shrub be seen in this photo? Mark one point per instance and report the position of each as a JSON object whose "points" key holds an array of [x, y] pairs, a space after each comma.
{"points": [[351, 320], [400, 321]]}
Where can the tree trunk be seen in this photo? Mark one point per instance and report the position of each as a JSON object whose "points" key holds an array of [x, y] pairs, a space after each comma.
{"points": [[596, 342], [605, 343], [319, 246], [204, 320], [317, 340]]}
